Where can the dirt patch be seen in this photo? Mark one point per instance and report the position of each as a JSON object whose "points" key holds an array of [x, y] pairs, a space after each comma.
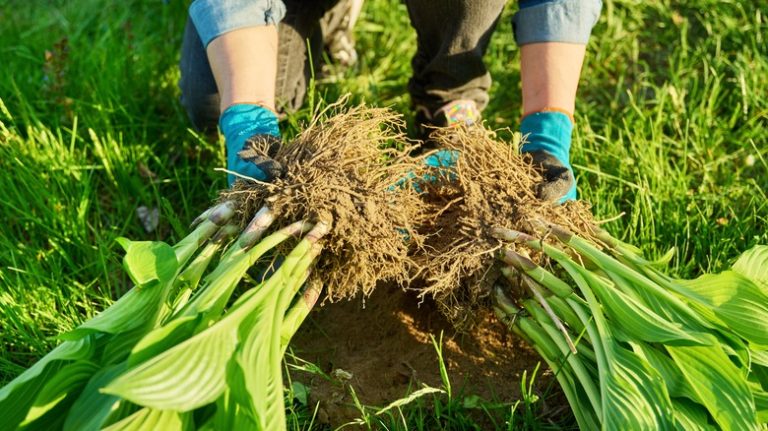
{"points": [[386, 349]]}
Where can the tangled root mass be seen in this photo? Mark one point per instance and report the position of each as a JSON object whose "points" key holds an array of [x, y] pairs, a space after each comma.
{"points": [[345, 169]]}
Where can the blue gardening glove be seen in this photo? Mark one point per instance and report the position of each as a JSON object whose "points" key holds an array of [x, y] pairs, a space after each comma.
{"points": [[252, 135], [548, 141]]}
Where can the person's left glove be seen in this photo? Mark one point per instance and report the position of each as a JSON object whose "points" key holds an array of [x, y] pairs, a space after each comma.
{"points": [[252, 137]]}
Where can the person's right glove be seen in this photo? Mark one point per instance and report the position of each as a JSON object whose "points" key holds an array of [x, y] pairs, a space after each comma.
{"points": [[252, 135], [548, 140]]}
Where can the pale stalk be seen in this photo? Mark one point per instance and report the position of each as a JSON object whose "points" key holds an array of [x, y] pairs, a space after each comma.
{"points": [[545, 347], [581, 373], [532, 285], [542, 276], [188, 280], [298, 312], [206, 224], [222, 281]]}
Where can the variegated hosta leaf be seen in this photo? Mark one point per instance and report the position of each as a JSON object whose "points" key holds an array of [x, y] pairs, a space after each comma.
{"points": [[719, 385]]}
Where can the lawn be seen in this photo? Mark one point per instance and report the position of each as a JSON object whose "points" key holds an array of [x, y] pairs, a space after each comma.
{"points": [[671, 133]]}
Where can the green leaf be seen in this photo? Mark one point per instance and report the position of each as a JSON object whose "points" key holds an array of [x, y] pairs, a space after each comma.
{"points": [[719, 385], [639, 321], [93, 408], [68, 381], [761, 403], [229, 416], [300, 392], [676, 384], [18, 396], [753, 264], [691, 416], [258, 387], [735, 300], [138, 307], [635, 396], [163, 338], [151, 419], [146, 261], [185, 377]]}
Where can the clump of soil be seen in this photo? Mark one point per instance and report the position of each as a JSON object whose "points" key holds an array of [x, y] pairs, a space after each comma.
{"points": [[491, 185], [345, 169]]}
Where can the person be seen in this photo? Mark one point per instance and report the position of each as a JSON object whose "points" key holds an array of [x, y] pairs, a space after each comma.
{"points": [[245, 60]]}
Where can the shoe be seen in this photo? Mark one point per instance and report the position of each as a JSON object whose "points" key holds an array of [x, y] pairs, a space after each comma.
{"points": [[458, 112]]}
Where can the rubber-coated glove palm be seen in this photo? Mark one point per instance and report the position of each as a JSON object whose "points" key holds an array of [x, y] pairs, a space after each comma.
{"points": [[251, 132], [548, 141]]}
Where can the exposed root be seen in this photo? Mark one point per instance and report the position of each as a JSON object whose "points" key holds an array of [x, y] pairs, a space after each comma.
{"points": [[343, 169], [491, 185]]}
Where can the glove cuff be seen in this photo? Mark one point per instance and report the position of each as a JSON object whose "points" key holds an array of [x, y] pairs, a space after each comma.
{"points": [[240, 122], [548, 131]]}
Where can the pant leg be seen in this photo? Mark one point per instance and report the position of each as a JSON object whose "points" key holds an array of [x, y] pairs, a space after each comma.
{"points": [[199, 94], [452, 37], [299, 34]]}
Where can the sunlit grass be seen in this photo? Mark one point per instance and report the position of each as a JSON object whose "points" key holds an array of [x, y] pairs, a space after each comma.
{"points": [[672, 127]]}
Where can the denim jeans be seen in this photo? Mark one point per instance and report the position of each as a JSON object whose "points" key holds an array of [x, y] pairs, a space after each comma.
{"points": [[299, 28], [452, 37]]}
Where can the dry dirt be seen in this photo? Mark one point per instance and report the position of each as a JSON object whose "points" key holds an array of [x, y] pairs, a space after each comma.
{"points": [[387, 350]]}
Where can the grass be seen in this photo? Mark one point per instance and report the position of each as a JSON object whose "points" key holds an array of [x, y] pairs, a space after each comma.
{"points": [[672, 131]]}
